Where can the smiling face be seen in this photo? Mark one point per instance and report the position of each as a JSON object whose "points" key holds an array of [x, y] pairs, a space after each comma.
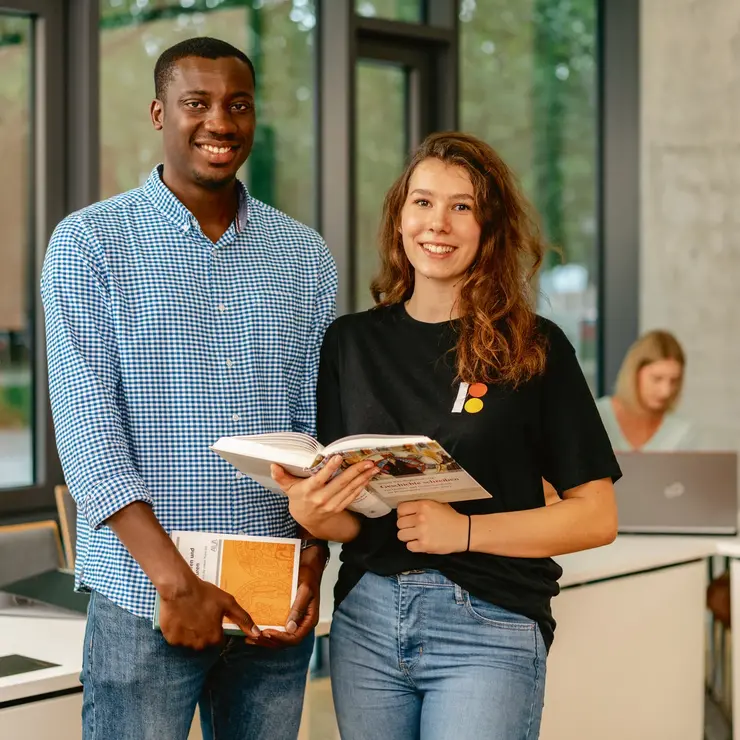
{"points": [[207, 120], [440, 233], [658, 383]]}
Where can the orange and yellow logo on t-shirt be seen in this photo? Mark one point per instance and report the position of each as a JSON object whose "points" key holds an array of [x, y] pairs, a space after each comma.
{"points": [[470, 398]]}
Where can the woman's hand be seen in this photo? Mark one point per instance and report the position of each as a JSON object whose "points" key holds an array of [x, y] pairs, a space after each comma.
{"points": [[428, 526], [316, 500]]}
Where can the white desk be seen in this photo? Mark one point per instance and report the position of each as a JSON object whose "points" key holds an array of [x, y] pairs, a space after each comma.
{"points": [[46, 703], [629, 651]]}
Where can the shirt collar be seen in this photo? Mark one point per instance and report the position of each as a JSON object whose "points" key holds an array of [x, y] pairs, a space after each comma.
{"points": [[169, 204]]}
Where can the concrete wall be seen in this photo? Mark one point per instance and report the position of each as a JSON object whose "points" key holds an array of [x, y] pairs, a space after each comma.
{"points": [[690, 246]]}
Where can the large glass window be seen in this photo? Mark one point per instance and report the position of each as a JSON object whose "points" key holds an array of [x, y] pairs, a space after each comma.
{"points": [[411, 11], [16, 249], [277, 35], [529, 88], [381, 152]]}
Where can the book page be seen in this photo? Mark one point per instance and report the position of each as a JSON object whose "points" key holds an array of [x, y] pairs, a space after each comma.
{"points": [[241, 452], [359, 441], [415, 471], [369, 505], [409, 471]]}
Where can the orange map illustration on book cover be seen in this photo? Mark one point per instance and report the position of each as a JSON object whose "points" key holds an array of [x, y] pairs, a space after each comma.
{"points": [[259, 575]]}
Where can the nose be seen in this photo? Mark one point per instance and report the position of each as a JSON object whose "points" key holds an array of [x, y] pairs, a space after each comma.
{"points": [[439, 221], [220, 122]]}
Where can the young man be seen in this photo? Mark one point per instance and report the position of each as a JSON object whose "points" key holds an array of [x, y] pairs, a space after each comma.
{"points": [[176, 313]]}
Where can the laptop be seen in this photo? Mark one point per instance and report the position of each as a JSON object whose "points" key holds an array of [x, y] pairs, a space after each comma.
{"points": [[678, 492]]}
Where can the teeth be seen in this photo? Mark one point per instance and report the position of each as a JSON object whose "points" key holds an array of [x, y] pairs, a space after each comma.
{"points": [[438, 248], [216, 149]]}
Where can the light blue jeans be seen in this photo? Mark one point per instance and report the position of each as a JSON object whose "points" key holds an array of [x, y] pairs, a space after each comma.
{"points": [[136, 686], [416, 657]]}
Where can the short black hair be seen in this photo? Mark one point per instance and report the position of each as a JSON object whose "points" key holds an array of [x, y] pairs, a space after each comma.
{"points": [[199, 46]]}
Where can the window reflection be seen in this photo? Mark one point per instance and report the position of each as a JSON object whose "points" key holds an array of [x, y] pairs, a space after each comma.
{"points": [[279, 38], [381, 153], [16, 376], [411, 11], [528, 87]]}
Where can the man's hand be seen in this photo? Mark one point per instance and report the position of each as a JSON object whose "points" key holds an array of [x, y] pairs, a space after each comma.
{"points": [[431, 527], [192, 615], [304, 614]]}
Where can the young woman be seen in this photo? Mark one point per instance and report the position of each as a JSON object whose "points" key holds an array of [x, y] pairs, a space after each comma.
{"points": [[638, 416], [443, 613]]}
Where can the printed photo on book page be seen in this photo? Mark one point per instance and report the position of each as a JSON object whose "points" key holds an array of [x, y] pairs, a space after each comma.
{"points": [[410, 472]]}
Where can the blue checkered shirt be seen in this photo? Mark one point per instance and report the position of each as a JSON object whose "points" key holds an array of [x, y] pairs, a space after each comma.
{"points": [[159, 342]]}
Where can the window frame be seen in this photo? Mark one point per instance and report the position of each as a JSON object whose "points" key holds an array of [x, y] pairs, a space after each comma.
{"points": [[343, 38], [63, 160], [618, 196]]}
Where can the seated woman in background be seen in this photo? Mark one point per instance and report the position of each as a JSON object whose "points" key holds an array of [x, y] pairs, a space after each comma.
{"points": [[639, 414]]}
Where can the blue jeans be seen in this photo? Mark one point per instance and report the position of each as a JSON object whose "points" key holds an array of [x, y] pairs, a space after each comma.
{"points": [[136, 686], [416, 657]]}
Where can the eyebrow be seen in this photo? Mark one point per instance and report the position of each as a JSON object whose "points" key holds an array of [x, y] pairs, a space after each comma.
{"points": [[455, 196], [205, 93]]}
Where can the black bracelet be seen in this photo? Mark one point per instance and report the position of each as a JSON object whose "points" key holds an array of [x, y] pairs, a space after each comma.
{"points": [[315, 542], [470, 523]]}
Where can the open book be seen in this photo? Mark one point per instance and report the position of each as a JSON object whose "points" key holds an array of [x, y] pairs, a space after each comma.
{"points": [[411, 468], [261, 573]]}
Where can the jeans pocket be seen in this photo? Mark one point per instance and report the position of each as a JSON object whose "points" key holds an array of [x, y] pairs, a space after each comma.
{"points": [[487, 613]]}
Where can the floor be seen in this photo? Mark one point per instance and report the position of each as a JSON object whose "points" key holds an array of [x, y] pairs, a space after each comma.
{"points": [[716, 726], [320, 721]]}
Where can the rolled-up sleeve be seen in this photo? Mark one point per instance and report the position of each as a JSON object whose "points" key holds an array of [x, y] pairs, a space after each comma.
{"points": [[84, 377]]}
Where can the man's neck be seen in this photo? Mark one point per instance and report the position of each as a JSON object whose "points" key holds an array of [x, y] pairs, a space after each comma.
{"points": [[212, 208]]}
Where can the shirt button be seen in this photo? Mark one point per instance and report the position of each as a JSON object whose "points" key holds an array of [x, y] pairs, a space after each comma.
{"points": [[221, 307], [239, 475], [186, 227], [229, 363], [235, 417]]}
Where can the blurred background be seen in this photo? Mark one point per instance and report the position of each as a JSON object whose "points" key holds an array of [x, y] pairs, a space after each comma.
{"points": [[621, 119]]}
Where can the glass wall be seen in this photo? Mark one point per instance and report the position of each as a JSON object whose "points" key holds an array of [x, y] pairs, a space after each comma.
{"points": [[277, 35], [16, 289], [529, 88], [411, 11], [381, 142], [528, 85]]}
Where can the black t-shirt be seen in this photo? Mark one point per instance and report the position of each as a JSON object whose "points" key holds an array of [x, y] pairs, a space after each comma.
{"points": [[383, 372]]}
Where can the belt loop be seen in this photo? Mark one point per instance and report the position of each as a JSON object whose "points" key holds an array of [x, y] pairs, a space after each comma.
{"points": [[459, 595]]}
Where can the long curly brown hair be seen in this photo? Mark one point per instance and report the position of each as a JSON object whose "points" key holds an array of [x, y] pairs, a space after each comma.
{"points": [[498, 341]]}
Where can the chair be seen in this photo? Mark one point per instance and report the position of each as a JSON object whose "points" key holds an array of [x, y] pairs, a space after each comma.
{"points": [[29, 549], [67, 512]]}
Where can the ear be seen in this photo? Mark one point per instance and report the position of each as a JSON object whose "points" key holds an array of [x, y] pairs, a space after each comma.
{"points": [[156, 111]]}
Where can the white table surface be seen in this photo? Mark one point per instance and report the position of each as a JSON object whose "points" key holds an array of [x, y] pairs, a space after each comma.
{"points": [[36, 634], [634, 553]]}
